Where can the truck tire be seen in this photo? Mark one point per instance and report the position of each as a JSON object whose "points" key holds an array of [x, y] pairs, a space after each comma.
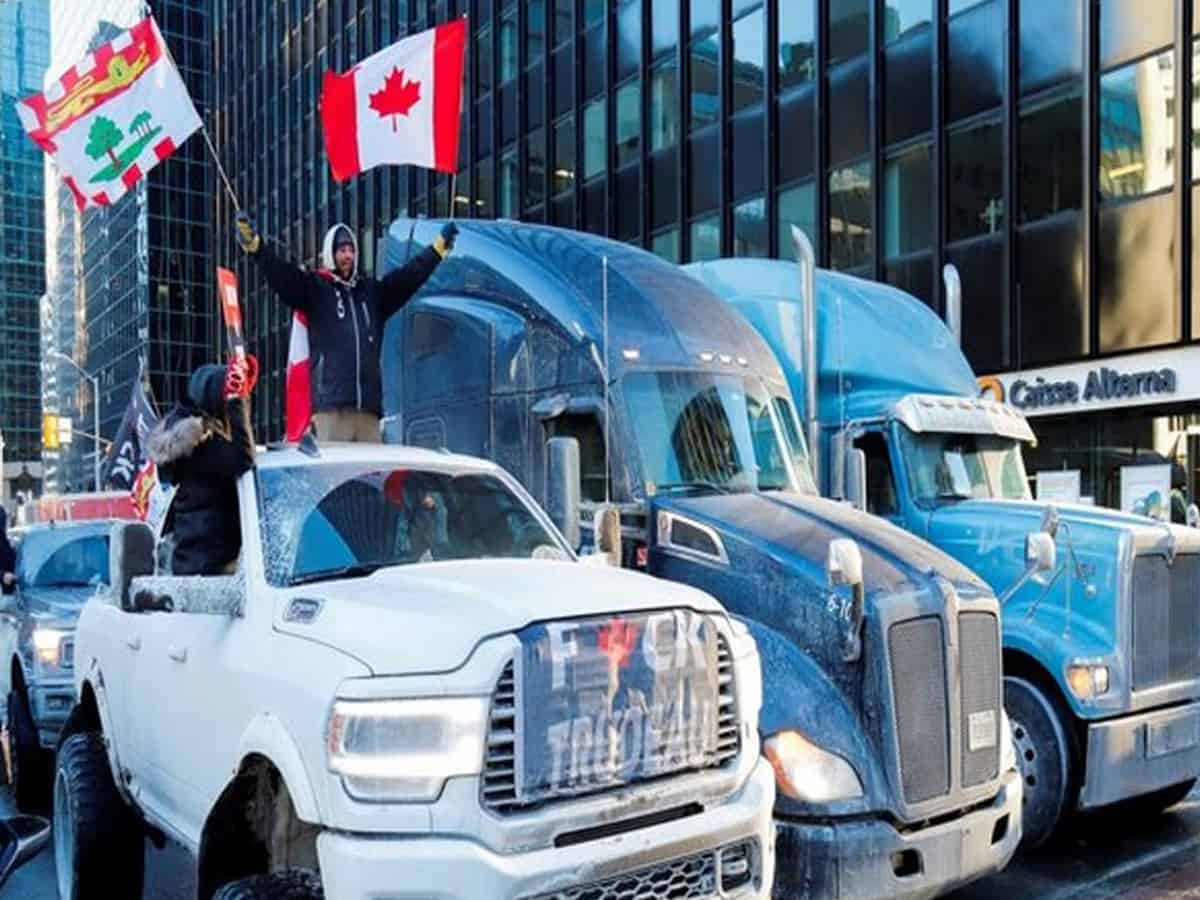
{"points": [[98, 838], [292, 884], [1045, 756], [28, 764]]}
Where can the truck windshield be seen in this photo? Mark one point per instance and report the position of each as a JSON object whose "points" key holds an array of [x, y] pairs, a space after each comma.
{"points": [[340, 521], [57, 560], [710, 432], [944, 468]]}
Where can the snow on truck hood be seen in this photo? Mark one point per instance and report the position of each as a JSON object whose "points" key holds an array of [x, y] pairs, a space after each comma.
{"points": [[428, 618]]}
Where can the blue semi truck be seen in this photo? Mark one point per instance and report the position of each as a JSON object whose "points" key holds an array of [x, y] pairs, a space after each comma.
{"points": [[656, 426], [1101, 656]]}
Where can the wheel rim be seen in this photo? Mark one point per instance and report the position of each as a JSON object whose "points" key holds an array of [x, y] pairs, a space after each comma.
{"points": [[64, 838], [1027, 760]]}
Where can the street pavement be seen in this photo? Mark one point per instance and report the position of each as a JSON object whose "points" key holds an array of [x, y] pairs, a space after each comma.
{"points": [[1100, 858]]}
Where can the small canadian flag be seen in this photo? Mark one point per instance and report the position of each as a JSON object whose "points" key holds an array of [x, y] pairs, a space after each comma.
{"points": [[400, 106]]}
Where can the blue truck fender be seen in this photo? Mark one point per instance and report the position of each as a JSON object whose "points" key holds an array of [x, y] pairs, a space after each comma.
{"points": [[1038, 644]]}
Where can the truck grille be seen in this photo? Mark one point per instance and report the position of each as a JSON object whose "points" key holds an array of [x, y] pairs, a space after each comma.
{"points": [[717, 873], [918, 663], [499, 786], [979, 643], [1166, 620]]}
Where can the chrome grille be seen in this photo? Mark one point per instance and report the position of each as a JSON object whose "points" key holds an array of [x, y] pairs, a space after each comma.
{"points": [[717, 873], [499, 785], [979, 642], [918, 665], [1166, 620]]}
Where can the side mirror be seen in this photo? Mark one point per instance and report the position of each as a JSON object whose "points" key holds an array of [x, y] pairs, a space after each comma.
{"points": [[856, 478], [130, 556], [844, 568], [21, 839], [562, 486], [608, 534], [1192, 516], [1040, 552]]}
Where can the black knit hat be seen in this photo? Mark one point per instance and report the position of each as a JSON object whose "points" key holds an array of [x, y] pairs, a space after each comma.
{"points": [[206, 389], [342, 237]]}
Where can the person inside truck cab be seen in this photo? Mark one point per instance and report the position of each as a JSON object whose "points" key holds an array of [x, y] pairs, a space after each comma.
{"points": [[8, 557], [346, 314], [202, 447]]}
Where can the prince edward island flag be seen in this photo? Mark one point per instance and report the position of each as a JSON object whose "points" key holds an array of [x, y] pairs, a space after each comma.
{"points": [[113, 116]]}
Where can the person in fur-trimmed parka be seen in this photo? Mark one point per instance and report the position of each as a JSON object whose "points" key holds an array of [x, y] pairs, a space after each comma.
{"points": [[202, 447]]}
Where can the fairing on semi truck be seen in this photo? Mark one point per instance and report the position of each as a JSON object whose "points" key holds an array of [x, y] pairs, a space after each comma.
{"points": [[509, 345]]}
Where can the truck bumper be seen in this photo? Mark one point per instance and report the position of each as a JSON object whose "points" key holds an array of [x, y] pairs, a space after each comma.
{"points": [[862, 860], [1138, 754], [51, 701], [702, 851]]}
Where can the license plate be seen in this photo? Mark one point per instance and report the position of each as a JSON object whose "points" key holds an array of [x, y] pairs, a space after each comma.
{"points": [[613, 701], [981, 730], [1164, 738]]}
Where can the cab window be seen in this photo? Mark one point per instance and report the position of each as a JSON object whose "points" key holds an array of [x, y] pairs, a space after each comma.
{"points": [[881, 485], [585, 428]]}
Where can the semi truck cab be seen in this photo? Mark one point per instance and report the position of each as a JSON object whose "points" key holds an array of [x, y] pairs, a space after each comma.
{"points": [[656, 426], [1101, 654]]}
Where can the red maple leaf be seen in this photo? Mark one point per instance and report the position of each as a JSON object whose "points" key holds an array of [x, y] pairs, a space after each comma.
{"points": [[616, 640], [396, 97]]}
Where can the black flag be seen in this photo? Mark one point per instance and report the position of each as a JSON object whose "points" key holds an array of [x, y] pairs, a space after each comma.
{"points": [[127, 452]]}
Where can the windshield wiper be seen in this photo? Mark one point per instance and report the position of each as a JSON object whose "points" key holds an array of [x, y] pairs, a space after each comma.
{"points": [[355, 570], [693, 486], [953, 495]]}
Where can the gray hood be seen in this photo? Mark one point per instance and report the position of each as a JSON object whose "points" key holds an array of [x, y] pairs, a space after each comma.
{"points": [[327, 261]]}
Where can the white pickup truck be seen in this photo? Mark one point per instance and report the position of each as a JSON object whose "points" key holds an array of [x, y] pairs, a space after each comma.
{"points": [[410, 688]]}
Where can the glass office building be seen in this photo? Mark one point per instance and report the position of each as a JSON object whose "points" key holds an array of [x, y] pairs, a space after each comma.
{"points": [[130, 287], [1044, 148], [24, 56]]}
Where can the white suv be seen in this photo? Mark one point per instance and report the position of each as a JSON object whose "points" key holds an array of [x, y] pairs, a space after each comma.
{"points": [[410, 688]]}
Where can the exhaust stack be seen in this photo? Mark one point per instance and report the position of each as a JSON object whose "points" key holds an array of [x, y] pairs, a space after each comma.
{"points": [[953, 301], [808, 299]]}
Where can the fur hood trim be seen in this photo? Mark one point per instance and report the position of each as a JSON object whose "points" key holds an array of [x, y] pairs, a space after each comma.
{"points": [[174, 438]]}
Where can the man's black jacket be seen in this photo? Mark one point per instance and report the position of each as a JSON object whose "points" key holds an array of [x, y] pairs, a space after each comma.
{"points": [[345, 323], [204, 465]]}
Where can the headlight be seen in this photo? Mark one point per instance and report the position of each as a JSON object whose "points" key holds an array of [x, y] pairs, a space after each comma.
{"points": [[803, 771], [48, 643], [1008, 748], [1087, 681], [402, 751]]}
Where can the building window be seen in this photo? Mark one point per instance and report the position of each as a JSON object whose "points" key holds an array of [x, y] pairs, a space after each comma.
{"points": [[666, 245], [507, 208], [664, 122], [750, 236], [665, 25], [907, 203], [705, 16], [903, 16], [850, 215], [797, 62], [534, 182], [749, 51], [1051, 42], [595, 138], [1133, 28], [975, 183], [849, 27], [564, 155], [975, 82], [483, 189], [797, 206], [1135, 133], [535, 29], [483, 59], [1050, 158], [593, 11], [564, 21], [705, 62], [508, 47], [706, 238], [629, 123]]}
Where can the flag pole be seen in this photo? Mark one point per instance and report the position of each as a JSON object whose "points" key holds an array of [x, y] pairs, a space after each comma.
{"points": [[453, 193]]}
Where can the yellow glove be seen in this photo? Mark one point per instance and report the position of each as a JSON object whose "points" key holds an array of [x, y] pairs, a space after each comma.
{"points": [[247, 237]]}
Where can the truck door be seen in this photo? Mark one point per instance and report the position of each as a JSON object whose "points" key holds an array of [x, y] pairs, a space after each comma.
{"points": [[882, 497]]}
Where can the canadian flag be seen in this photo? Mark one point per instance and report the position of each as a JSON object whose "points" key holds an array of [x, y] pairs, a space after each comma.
{"points": [[299, 380], [399, 107]]}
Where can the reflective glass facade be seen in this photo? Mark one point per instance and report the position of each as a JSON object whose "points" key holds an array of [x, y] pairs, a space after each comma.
{"points": [[1031, 143], [132, 285], [24, 56]]}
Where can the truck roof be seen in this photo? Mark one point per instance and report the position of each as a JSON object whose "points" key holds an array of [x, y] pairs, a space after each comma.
{"points": [[882, 343], [397, 455], [555, 275]]}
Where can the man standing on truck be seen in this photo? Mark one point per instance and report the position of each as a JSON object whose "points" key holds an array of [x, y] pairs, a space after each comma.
{"points": [[346, 315], [202, 447]]}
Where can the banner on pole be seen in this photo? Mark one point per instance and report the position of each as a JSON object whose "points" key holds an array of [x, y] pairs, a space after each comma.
{"points": [[113, 116], [127, 455]]}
